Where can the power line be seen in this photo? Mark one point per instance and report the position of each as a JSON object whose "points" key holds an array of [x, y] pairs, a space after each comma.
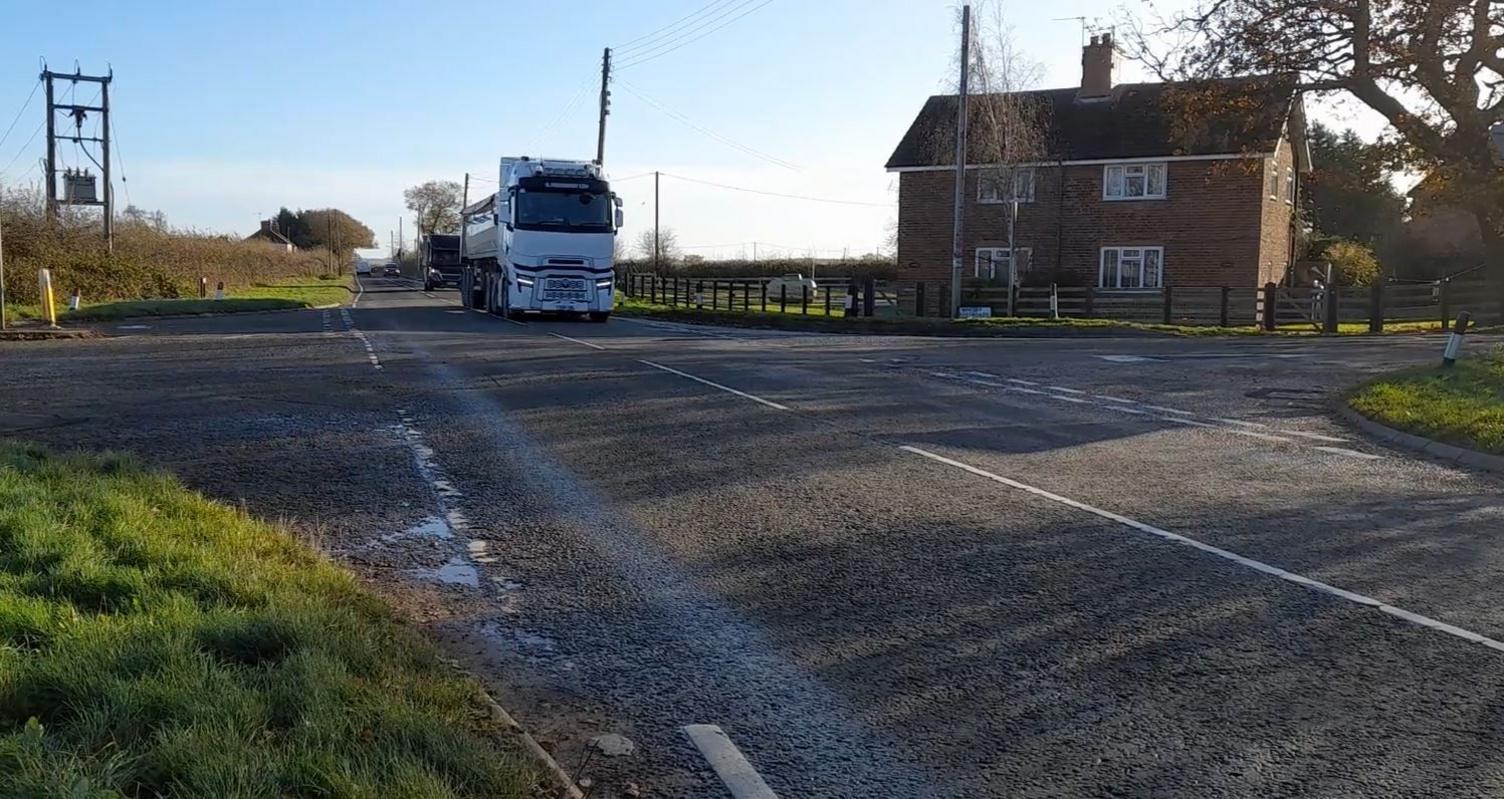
{"points": [[640, 41], [638, 176], [642, 58], [806, 198], [24, 106], [115, 140], [574, 101], [712, 134], [28, 141]]}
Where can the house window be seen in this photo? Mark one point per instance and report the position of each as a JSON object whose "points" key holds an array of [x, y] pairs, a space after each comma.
{"points": [[1134, 182], [993, 185], [1132, 268], [994, 262], [1273, 180], [1290, 185]]}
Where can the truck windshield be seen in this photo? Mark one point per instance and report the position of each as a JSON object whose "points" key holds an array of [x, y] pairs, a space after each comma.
{"points": [[563, 209]]}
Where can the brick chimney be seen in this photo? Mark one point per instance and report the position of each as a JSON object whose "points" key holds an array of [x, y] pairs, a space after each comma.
{"points": [[1096, 68], [266, 226]]}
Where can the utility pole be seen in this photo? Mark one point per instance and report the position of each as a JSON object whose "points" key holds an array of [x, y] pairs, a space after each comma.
{"points": [[600, 142], [400, 241], [2, 273], [464, 203], [103, 199], [657, 247], [962, 119]]}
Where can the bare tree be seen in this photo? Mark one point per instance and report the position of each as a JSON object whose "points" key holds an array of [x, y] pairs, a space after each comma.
{"points": [[1008, 128], [668, 245], [436, 204], [1433, 68]]}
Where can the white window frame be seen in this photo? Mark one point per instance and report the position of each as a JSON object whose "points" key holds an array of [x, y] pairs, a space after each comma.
{"points": [[1124, 174], [991, 178], [995, 264], [1131, 254], [1273, 180], [1289, 185]]}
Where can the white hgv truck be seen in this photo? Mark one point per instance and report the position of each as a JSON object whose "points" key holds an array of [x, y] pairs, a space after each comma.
{"points": [[543, 242]]}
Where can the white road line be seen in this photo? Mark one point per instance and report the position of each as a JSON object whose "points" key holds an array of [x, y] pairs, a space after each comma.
{"points": [[577, 341], [1241, 423], [1126, 409], [727, 761], [1312, 436], [360, 292], [1316, 585], [1188, 422], [1064, 390], [1351, 453], [726, 389], [1064, 398], [1258, 435], [1115, 399], [1163, 409], [991, 376]]}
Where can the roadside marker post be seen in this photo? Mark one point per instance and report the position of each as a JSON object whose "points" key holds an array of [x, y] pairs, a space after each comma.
{"points": [[203, 287], [49, 307], [219, 291], [75, 300], [1454, 340]]}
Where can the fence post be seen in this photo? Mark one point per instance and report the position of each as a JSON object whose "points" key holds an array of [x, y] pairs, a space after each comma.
{"points": [[1054, 301], [675, 301], [746, 296], [919, 298], [1333, 300], [827, 302], [203, 288], [804, 298], [783, 298], [700, 294], [850, 298], [1226, 303], [715, 294], [1446, 305], [1271, 291], [1376, 307], [1091, 301], [1169, 302], [763, 285], [869, 303]]}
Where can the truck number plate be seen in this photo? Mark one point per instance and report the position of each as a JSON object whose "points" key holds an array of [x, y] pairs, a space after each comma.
{"points": [[563, 288]]}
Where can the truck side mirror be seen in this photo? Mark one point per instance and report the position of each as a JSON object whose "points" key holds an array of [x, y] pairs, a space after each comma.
{"points": [[620, 218]]}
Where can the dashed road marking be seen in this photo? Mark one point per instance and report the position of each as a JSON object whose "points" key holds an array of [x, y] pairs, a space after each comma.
{"points": [[728, 763], [1064, 390], [727, 389], [577, 341], [1163, 409], [1261, 436], [1316, 585]]}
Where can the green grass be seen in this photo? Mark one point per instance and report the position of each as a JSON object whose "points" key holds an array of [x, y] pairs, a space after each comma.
{"points": [[156, 644], [1463, 405], [293, 293]]}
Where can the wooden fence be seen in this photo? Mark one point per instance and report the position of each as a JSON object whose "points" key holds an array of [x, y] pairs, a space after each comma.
{"points": [[1270, 307]]}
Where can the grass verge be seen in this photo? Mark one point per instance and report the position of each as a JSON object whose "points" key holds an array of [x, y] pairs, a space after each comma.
{"points": [[1463, 405], [154, 643], [293, 293]]}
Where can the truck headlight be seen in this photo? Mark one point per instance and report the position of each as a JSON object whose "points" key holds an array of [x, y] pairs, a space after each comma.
{"points": [[603, 283], [524, 282]]}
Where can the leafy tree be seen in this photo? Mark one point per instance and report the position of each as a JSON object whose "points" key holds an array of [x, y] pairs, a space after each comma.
{"points": [[1355, 263], [436, 205], [136, 215], [327, 228], [1433, 68], [668, 245], [1349, 193]]}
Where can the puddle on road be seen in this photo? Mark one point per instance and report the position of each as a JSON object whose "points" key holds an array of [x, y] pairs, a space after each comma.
{"points": [[432, 527], [457, 571]]}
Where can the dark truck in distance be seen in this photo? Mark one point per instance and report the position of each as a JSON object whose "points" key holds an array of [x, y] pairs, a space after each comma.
{"points": [[440, 261]]}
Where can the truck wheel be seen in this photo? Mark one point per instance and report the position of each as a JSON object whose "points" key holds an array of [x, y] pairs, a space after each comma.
{"points": [[466, 295], [600, 316]]}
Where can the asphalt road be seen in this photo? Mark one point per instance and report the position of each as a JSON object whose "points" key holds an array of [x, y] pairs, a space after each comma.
{"points": [[883, 566]]}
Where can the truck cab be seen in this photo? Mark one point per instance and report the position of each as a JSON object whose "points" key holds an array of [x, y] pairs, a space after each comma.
{"points": [[543, 243]]}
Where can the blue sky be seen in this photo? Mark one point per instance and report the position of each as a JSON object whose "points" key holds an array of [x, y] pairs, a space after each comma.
{"points": [[227, 110]]}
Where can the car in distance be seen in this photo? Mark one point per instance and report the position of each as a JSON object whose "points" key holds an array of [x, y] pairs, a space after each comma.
{"points": [[391, 270], [795, 284], [362, 267]]}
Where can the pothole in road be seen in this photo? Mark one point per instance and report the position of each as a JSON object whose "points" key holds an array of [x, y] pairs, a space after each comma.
{"points": [[457, 571]]}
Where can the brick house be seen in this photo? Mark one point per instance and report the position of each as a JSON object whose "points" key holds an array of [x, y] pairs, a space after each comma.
{"points": [[269, 233], [1137, 186]]}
